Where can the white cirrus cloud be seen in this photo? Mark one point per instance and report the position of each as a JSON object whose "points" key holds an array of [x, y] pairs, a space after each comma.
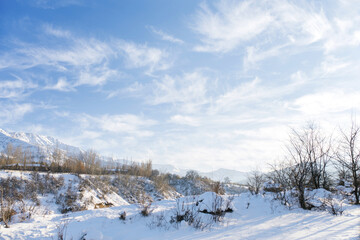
{"points": [[82, 61], [255, 94], [226, 25], [164, 36], [188, 91], [13, 112], [127, 124], [141, 55], [61, 85], [134, 89], [77, 53], [96, 76], [16, 88], [57, 32]]}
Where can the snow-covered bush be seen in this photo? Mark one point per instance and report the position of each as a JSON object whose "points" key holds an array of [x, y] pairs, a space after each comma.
{"points": [[186, 211], [122, 216], [203, 211], [333, 205]]}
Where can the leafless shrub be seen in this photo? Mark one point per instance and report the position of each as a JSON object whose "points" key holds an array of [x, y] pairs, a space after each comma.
{"points": [[6, 209], [61, 230], [145, 209], [159, 221], [228, 204], [184, 211], [218, 188], [26, 210], [7, 212]]}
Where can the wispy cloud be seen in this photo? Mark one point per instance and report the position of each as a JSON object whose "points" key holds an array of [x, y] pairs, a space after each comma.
{"points": [[345, 27], [13, 112], [79, 52], [125, 132], [164, 36], [16, 88], [61, 85], [138, 56], [252, 93], [254, 55], [135, 89], [57, 32], [127, 124], [186, 92], [97, 76], [81, 61], [227, 24]]}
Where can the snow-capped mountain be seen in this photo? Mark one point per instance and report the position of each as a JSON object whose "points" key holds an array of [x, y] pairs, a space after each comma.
{"points": [[37, 144]]}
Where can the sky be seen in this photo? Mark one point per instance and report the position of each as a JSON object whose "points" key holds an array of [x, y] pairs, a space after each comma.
{"points": [[194, 84]]}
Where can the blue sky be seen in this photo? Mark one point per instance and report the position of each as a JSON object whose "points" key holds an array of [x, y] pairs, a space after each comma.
{"points": [[196, 84]]}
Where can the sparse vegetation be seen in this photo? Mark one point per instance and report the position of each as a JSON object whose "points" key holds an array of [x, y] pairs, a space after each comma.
{"points": [[146, 209]]}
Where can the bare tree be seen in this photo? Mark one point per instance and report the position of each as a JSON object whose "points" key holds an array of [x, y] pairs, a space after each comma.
{"points": [[280, 174], [348, 156], [92, 161], [254, 182], [26, 158], [308, 155], [17, 155], [298, 164], [319, 154], [280, 177], [57, 158], [9, 152]]}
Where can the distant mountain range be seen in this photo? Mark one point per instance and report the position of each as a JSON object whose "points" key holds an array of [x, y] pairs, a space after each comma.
{"points": [[39, 144], [217, 175]]}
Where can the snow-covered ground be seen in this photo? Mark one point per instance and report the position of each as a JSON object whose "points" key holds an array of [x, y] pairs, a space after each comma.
{"points": [[254, 217]]}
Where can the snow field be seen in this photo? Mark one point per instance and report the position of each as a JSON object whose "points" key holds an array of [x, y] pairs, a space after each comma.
{"points": [[254, 217]]}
